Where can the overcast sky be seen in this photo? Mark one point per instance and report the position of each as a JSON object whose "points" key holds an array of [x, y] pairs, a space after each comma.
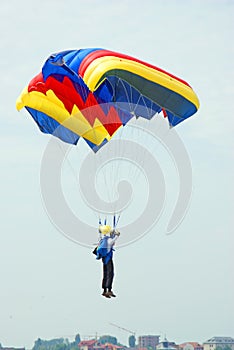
{"points": [[178, 285]]}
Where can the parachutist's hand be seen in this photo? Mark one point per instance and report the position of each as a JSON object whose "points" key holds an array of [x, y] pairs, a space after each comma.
{"points": [[117, 233]]}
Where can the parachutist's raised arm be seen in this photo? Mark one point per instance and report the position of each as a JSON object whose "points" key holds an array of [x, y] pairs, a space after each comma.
{"points": [[114, 236]]}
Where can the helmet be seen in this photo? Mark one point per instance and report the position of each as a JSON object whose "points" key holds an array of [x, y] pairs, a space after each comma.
{"points": [[105, 229]]}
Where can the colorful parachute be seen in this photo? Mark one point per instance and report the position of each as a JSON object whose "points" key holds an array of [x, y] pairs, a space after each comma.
{"points": [[91, 93]]}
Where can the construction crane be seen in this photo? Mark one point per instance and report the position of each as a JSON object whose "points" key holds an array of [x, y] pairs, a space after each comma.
{"points": [[124, 329]]}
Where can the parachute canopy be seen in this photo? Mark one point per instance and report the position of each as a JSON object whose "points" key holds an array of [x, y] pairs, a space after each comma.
{"points": [[91, 93]]}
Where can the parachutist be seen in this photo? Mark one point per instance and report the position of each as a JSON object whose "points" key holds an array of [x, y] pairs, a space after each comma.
{"points": [[104, 251]]}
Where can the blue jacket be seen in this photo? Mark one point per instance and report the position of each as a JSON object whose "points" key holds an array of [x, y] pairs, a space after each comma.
{"points": [[105, 248]]}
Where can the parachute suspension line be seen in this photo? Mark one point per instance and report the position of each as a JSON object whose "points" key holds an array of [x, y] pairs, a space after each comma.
{"points": [[98, 158], [114, 170], [115, 221], [114, 153], [119, 149], [159, 142], [136, 169], [71, 167], [89, 110], [138, 131], [107, 170], [115, 165], [102, 177], [131, 107], [146, 136], [67, 159], [133, 169]]}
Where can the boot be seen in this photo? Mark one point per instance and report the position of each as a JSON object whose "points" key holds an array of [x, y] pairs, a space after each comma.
{"points": [[111, 294], [105, 294]]}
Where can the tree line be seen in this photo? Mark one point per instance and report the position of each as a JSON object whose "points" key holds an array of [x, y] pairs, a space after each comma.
{"points": [[64, 344]]}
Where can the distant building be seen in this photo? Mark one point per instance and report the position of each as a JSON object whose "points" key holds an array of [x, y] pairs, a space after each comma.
{"points": [[166, 345], [95, 345], [108, 346], [190, 346], [148, 341], [87, 344], [219, 342]]}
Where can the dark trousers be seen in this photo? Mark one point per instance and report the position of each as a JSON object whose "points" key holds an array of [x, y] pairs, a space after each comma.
{"points": [[108, 275]]}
